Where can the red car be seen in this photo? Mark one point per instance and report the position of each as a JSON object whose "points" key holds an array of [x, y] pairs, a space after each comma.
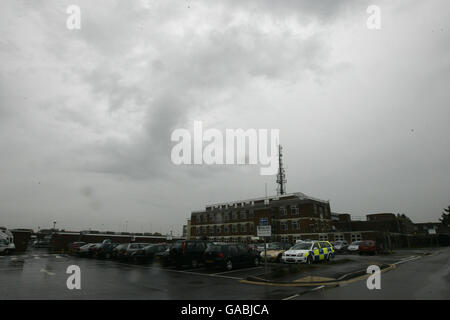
{"points": [[74, 247], [368, 247]]}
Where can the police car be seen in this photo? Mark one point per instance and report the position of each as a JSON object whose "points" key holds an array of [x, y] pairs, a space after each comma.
{"points": [[309, 252]]}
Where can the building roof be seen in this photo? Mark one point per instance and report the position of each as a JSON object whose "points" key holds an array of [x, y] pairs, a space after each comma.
{"points": [[298, 195]]}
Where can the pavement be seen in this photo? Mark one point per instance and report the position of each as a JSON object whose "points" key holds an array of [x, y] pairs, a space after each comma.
{"points": [[419, 274]]}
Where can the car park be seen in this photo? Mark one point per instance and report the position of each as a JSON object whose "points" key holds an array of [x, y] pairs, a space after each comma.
{"points": [[74, 247], [163, 257], [367, 247], [353, 247], [104, 250], [229, 256], [7, 245], [187, 252], [148, 253], [340, 245], [85, 251], [124, 251], [274, 251], [309, 252], [42, 243]]}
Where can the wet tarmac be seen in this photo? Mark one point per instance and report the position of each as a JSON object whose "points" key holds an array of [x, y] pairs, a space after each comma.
{"points": [[41, 275]]}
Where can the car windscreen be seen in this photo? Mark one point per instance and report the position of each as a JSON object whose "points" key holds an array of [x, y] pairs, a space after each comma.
{"points": [[274, 246], [302, 246], [214, 248], [178, 245]]}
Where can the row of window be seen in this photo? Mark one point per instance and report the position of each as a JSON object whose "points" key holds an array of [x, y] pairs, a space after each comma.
{"points": [[242, 214], [234, 228], [218, 217]]}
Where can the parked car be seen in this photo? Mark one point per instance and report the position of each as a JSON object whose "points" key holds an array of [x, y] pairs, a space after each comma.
{"points": [[42, 243], [353, 247], [274, 251], [104, 251], [147, 254], [85, 251], [309, 252], [163, 257], [124, 251], [187, 252], [368, 247], [7, 245], [229, 256], [74, 247], [340, 245]]}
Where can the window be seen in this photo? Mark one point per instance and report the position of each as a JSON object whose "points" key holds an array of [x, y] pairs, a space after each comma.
{"points": [[234, 215], [234, 227], [323, 237], [283, 226], [251, 227], [295, 225], [283, 211], [284, 239], [199, 218], [356, 237], [211, 230], [339, 237], [294, 210], [218, 229], [226, 229], [226, 216], [251, 213], [243, 228], [243, 214]]}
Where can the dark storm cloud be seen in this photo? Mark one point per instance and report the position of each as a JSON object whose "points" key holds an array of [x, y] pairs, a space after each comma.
{"points": [[89, 113]]}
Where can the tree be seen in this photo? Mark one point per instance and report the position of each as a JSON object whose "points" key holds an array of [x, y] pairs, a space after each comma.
{"points": [[445, 218]]}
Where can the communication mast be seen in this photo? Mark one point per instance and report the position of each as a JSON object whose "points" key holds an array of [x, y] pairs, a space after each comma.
{"points": [[281, 176]]}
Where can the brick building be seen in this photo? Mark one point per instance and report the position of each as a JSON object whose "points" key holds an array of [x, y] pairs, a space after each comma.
{"points": [[292, 216]]}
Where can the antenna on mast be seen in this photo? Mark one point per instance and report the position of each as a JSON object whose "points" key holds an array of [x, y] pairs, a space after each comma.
{"points": [[281, 176]]}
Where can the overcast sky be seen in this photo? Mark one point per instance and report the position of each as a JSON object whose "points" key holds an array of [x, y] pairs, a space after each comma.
{"points": [[86, 115]]}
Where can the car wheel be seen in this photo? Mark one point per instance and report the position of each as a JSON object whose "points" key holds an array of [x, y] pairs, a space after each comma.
{"points": [[108, 256], [229, 265], [194, 263], [309, 260], [328, 258], [256, 262]]}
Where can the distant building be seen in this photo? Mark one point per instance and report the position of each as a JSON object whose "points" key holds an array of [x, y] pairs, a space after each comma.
{"points": [[292, 216], [428, 228]]}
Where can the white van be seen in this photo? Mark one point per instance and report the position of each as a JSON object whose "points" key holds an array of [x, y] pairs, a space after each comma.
{"points": [[6, 241]]}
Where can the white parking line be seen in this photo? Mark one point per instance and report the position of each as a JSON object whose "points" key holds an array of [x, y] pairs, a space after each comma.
{"points": [[183, 271], [237, 270], [47, 272], [407, 259], [291, 297]]}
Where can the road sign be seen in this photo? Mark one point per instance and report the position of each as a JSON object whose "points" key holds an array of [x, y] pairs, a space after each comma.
{"points": [[263, 221], [264, 231]]}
